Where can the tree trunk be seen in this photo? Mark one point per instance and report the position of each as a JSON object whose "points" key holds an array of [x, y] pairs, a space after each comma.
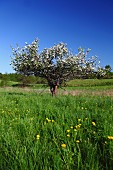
{"points": [[53, 89]]}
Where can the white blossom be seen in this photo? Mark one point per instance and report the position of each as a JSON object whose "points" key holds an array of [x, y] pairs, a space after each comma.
{"points": [[55, 63]]}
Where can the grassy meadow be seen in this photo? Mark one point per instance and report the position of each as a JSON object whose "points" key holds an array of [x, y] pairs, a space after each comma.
{"points": [[64, 132]]}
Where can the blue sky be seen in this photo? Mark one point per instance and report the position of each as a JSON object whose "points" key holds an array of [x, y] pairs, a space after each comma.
{"points": [[85, 23]]}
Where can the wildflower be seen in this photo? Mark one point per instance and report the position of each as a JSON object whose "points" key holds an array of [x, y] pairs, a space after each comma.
{"points": [[48, 120], [86, 118], [93, 123], [38, 137], [78, 126], [79, 120], [75, 130], [68, 135], [77, 141], [63, 145], [71, 127], [68, 130], [52, 121], [110, 137]]}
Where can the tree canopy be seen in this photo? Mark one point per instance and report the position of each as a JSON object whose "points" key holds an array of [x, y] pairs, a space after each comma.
{"points": [[56, 64], [108, 68]]}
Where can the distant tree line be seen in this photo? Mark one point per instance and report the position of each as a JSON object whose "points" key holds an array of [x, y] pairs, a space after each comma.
{"points": [[108, 75], [25, 80], [20, 79]]}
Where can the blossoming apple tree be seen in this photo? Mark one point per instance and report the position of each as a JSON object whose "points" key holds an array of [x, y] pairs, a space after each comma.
{"points": [[55, 64]]}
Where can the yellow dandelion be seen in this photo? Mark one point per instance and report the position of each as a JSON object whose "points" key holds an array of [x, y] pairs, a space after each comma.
{"points": [[71, 127], [52, 121], [78, 126], [77, 141], [75, 130], [68, 135], [49, 120], [110, 137], [93, 123], [68, 130], [38, 136], [79, 120], [63, 145]]}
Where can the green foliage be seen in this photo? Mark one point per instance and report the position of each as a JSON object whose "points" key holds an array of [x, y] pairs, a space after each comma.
{"points": [[63, 133], [23, 80], [3, 83], [108, 68]]}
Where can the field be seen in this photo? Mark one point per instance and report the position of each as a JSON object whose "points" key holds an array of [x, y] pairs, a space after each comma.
{"points": [[70, 131]]}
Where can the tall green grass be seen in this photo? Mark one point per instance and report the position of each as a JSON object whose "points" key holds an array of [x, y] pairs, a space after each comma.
{"points": [[59, 133]]}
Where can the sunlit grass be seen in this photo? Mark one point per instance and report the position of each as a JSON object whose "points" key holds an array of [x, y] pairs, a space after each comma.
{"points": [[62, 132], [90, 82]]}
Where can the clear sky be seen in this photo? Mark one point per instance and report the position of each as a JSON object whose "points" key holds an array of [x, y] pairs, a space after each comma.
{"points": [[85, 23]]}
